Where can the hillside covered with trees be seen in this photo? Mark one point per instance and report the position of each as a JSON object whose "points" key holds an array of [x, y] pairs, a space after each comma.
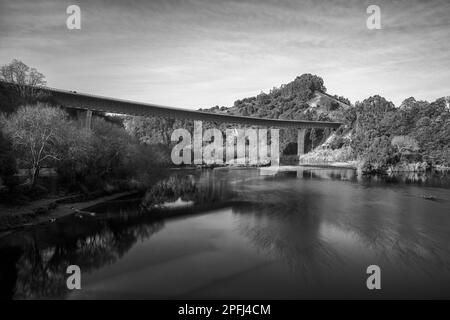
{"points": [[415, 132], [375, 133]]}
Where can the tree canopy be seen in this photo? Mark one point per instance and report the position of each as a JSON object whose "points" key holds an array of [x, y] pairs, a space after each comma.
{"points": [[24, 76]]}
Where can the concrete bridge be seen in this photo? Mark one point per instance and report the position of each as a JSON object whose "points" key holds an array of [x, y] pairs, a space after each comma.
{"points": [[90, 103]]}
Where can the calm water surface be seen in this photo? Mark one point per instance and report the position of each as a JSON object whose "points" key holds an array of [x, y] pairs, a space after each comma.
{"points": [[245, 233]]}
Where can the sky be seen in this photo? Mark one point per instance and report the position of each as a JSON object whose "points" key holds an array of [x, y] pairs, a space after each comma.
{"points": [[198, 54]]}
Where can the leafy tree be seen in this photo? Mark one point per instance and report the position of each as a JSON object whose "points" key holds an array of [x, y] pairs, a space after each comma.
{"points": [[379, 155], [7, 159], [153, 130], [286, 102], [369, 115], [98, 159], [405, 143], [342, 99]]}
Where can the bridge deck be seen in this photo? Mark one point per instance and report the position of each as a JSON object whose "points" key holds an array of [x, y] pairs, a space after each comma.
{"points": [[119, 106]]}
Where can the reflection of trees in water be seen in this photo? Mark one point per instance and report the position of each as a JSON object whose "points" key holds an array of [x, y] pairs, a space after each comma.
{"points": [[42, 255], [40, 269], [312, 233], [399, 177], [402, 238], [290, 231], [281, 219], [286, 222], [201, 190], [8, 272], [333, 174], [391, 231], [438, 180], [421, 178], [169, 190]]}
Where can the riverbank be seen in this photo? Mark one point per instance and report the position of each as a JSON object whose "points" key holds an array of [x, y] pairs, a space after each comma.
{"points": [[364, 169], [334, 164], [49, 210]]}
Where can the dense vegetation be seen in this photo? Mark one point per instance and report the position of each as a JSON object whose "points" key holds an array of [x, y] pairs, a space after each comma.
{"points": [[104, 158], [7, 160], [384, 135], [36, 135], [375, 132]]}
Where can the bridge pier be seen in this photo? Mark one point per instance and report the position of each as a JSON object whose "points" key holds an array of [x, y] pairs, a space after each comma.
{"points": [[88, 119], [301, 142]]}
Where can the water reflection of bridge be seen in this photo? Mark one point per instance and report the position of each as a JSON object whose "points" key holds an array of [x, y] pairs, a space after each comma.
{"points": [[90, 103]]}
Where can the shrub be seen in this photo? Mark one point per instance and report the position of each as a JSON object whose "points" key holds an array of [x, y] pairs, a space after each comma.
{"points": [[7, 160]]}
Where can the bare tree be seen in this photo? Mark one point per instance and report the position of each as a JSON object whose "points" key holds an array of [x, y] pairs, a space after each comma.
{"points": [[25, 78], [37, 134]]}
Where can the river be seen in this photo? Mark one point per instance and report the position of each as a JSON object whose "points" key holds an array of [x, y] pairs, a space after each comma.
{"points": [[245, 234]]}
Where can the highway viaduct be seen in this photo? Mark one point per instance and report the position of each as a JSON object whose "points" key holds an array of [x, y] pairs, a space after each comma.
{"points": [[90, 103]]}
